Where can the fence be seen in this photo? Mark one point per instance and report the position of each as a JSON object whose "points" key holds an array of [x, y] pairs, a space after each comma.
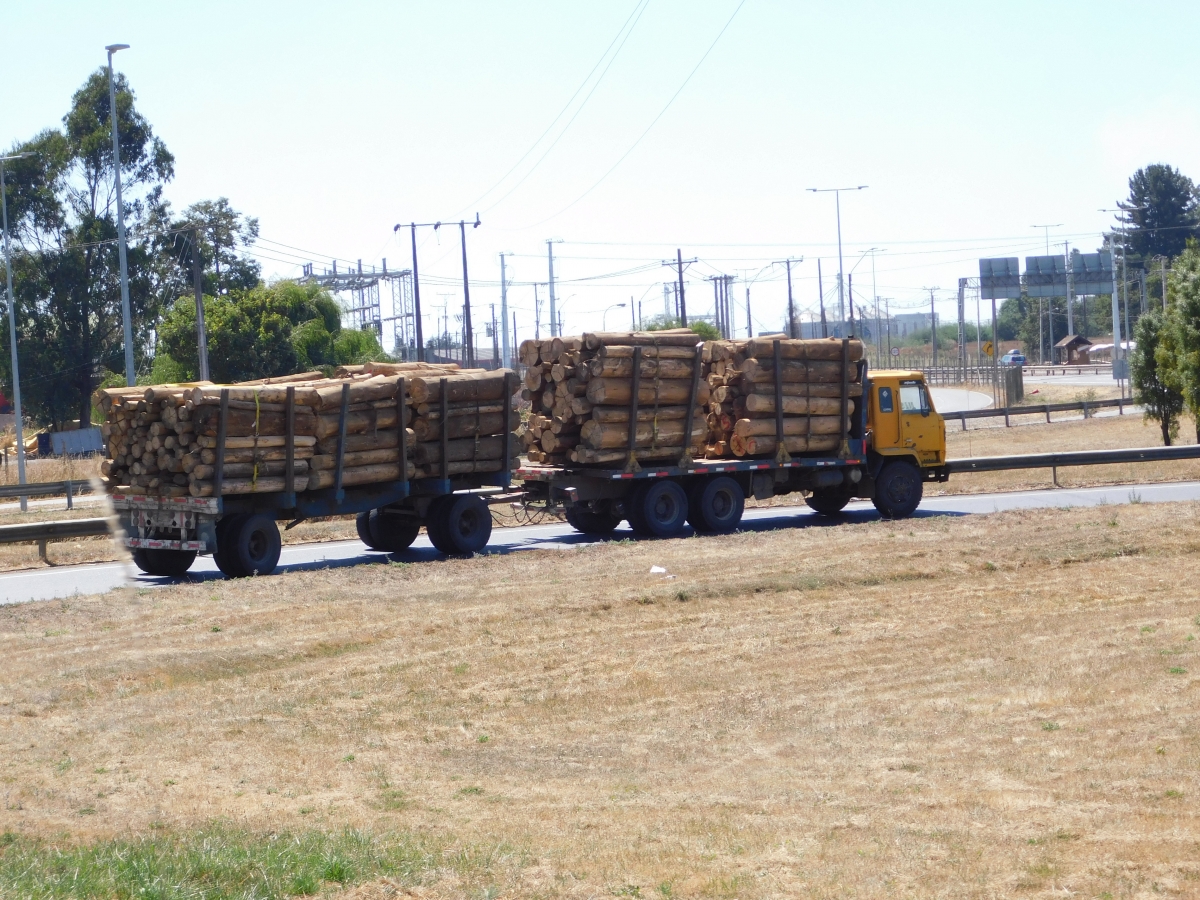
{"points": [[46, 489], [1086, 406], [43, 532]]}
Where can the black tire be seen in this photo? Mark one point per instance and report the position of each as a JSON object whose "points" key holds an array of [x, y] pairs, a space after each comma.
{"points": [[898, 490], [659, 508], [597, 517], [828, 501], [385, 532], [715, 505], [164, 563], [224, 556], [460, 524], [252, 546]]}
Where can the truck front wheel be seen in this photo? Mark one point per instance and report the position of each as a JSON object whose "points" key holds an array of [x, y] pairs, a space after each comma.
{"points": [[898, 490], [164, 563]]}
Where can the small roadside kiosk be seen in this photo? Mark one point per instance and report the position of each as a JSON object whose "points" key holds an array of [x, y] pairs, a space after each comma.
{"points": [[1072, 350]]}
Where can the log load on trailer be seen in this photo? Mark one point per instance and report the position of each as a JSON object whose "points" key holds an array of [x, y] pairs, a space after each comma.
{"points": [[204, 468], [777, 416]]}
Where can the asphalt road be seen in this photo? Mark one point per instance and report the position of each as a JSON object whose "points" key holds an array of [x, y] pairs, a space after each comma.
{"points": [[1088, 380], [67, 581]]}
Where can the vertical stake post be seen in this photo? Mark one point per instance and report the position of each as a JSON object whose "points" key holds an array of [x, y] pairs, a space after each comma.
{"points": [[289, 414], [781, 454], [445, 409], [222, 427], [685, 459], [341, 446], [402, 431], [632, 464]]}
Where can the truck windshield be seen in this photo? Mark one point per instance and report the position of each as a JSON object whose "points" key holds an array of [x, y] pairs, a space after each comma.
{"points": [[913, 398]]}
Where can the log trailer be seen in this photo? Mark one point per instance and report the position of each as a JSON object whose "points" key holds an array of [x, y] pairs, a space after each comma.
{"points": [[241, 531], [895, 443]]}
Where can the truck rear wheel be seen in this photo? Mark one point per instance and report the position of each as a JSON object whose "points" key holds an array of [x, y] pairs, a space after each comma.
{"points": [[164, 563], [596, 517], [388, 533], [715, 505], [898, 490], [828, 501], [459, 524], [658, 508], [248, 545]]}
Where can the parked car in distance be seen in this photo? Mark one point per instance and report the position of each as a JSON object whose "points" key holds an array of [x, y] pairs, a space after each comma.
{"points": [[1013, 358]]}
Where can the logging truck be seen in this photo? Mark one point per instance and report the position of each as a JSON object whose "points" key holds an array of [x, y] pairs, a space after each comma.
{"points": [[896, 441]]}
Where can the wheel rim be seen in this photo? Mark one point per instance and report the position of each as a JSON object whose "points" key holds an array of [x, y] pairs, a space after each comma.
{"points": [[722, 504], [468, 523], [256, 546], [665, 508]]}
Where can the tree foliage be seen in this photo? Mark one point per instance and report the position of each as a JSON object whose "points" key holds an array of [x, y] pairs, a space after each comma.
{"points": [[262, 332], [706, 330], [1183, 292], [62, 216], [1153, 372], [1164, 211]]}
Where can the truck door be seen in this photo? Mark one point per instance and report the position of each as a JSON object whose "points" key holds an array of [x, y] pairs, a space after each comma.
{"points": [[921, 430], [887, 417]]}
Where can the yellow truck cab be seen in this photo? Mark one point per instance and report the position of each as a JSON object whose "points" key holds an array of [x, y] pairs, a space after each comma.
{"points": [[905, 439]]}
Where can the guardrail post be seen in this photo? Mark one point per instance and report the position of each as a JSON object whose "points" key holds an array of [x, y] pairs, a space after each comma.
{"points": [[1121, 406], [1007, 424], [70, 504]]}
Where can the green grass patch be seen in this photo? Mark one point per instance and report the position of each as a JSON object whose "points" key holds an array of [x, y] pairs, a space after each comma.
{"points": [[219, 863]]}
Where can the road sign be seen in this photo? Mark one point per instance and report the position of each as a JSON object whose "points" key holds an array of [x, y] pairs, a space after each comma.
{"points": [[988, 348], [1120, 370], [1092, 272], [1046, 276], [999, 278], [895, 351]]}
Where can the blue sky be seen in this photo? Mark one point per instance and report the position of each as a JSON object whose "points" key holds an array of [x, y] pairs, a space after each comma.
{"points": [[332, 122]]}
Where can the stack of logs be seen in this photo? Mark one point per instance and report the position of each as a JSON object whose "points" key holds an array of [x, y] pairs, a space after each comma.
{"points": [[580, 390], [167, 440], [809, 392]]}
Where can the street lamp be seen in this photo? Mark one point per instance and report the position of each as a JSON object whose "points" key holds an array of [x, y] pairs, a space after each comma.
{"points": [[837, 193], [12, 330], [127, 319], [604, 318]]}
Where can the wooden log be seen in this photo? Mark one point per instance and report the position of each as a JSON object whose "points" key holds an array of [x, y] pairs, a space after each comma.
{"points": [[247, 470], [409, 368], [267, 440], [356, 443], [623, 368], [361, 422], [612, 391], [795, 406], [425, 429], [670, 337], [587, 457], [271, 485], [245, 422], [529, 352], [625, 351], [763, 446], [817, 348], [755, 371], [491, 447], [377, 387], [208, 456], [467, 467], [792, 425], [382, 473], [306, 395], [286, 379], [619, 415], [597, 436], [391, 455], [487, 386], [533, 378]]}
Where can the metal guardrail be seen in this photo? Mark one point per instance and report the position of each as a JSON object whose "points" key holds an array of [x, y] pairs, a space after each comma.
{"points": [[43, 532], [46, 489], [1072, 458], [1086, 406]]}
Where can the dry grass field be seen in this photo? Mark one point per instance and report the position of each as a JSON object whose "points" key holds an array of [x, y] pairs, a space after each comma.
{"points": [[990, 706]]}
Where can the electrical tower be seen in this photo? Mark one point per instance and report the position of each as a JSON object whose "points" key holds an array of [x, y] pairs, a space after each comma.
{"points": [[358, 293]]}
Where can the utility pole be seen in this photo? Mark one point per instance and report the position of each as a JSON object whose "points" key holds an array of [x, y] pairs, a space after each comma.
{"points": [[791, 329], [995, 357], [933, 327], [682, 302], [537, 315], [12, 335], [850, 296], [1163, 262], [962, 328], [507, 359], [126, 315], [417, 297], [749, 321], [632, 317], [198, 286], [1116, 310], [468, 331], [1070, 287], [514, 331], [1142, 279], [887, 314], [496, 337], [821, 300], [553, 309]]}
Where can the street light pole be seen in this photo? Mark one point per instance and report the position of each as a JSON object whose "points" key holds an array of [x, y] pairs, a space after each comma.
{"points": [[126, 316], [12, 333], [604, 317], [837, 193]]}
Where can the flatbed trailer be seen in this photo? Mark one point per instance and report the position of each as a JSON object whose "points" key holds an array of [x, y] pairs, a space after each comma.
{"points": [[166, 534], [710, 494]]}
